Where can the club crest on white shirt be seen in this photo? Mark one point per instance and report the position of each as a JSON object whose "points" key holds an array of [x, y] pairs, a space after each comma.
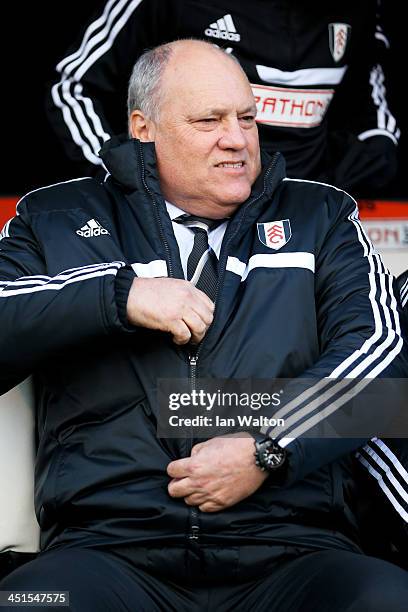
{"points": [[274, 234], [338, 38]]}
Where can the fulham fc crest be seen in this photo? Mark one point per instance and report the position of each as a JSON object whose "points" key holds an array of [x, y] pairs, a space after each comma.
{"points": [[338, 36], [274, 234]]}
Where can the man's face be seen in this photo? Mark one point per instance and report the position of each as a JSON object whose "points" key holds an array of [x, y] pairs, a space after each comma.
{"points": [[206, 137]]}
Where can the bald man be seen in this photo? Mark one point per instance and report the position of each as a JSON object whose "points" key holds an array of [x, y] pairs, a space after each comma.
{"points": [[195, 259]]}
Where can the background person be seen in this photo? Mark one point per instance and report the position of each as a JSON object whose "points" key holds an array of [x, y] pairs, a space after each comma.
{"points": [[316, 70]]}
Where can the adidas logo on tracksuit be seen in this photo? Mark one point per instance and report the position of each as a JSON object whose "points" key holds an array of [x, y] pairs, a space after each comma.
{"points": [[92, 228], [223, 28]]}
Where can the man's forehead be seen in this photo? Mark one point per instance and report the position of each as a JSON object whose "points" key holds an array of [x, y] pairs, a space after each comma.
{"points": [[204, 68], [201, 79]]}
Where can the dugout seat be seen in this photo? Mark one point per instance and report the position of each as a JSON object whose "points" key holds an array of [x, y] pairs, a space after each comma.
{"points": [[19, 529]]}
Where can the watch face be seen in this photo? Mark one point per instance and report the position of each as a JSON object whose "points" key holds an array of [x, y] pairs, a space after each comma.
{"points": [[275, 458], [269, 455]]}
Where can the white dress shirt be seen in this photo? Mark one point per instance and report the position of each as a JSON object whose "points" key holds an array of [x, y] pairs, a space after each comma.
{"points": [[185, 236]]}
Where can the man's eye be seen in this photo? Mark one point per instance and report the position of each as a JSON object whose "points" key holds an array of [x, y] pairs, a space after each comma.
{"points": [[207, 120], [248, 118]]}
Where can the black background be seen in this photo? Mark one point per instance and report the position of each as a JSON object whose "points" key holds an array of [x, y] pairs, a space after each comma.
{"points": [[36, 36]]}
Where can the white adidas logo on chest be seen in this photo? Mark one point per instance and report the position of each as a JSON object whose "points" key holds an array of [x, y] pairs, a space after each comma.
{"points": [[92, 228]]}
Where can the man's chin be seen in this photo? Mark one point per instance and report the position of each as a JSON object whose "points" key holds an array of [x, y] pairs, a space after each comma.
{"points": [[234, 205], [235, 197]]}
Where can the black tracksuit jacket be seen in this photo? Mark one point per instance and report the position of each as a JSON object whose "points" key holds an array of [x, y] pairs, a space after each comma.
{"points": [[316, 70], [322, 305]]}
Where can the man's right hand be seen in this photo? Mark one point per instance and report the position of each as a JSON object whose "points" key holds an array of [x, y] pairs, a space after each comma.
{"points": [[170, 305]]}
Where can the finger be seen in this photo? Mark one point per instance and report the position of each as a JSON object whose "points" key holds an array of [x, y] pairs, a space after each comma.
{"points": [[203, 312], [196, 448], [181, 332], [209, 507], [195, 499], [180, 468], [201, 304], [182, 487], [196, 325], [203, 297]]}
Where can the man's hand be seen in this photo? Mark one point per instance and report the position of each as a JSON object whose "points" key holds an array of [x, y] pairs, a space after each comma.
{"points": [[220, 473], [170, 305]]}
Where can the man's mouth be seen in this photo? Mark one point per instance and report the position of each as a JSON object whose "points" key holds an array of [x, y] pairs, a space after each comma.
{"points": [[230, 164]]}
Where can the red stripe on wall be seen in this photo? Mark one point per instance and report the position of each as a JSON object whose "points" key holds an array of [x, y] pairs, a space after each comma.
{"points": [[7, 209], [383, 209]]}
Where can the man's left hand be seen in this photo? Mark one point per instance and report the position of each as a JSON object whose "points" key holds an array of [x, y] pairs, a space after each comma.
{"points": [[219, 473]]}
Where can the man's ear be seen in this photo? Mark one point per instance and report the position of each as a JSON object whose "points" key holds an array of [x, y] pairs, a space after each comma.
{"points": [[141, 127]]}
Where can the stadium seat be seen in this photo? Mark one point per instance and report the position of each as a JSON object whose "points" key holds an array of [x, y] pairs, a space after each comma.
{"points": [[19, 530]]}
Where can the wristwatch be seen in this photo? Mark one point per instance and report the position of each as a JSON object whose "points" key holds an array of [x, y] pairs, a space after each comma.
{"points": [[269, 455]]}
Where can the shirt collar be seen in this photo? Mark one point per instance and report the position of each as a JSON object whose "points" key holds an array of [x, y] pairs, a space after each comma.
{"points": [[173, 210]]}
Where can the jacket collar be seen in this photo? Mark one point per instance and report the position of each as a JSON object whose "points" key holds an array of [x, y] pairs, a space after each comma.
{"points": [[132, 164]]}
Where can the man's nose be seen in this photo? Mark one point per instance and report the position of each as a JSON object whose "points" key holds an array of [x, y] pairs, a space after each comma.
{"points": [[233, 135]]}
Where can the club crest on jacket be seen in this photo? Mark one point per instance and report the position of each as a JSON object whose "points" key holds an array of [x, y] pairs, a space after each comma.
{"points": [[275, 234], [338, 38]]}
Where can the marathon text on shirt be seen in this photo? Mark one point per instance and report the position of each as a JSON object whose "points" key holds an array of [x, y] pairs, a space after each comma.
{"points": [[291, 107]]}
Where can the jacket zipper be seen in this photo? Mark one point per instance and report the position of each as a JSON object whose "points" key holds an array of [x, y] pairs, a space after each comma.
{"points": [[194, 527], [194, 523], [194, 533]]}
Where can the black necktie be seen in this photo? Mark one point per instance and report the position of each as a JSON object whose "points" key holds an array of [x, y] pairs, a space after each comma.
{"points": [[202, 263]]}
